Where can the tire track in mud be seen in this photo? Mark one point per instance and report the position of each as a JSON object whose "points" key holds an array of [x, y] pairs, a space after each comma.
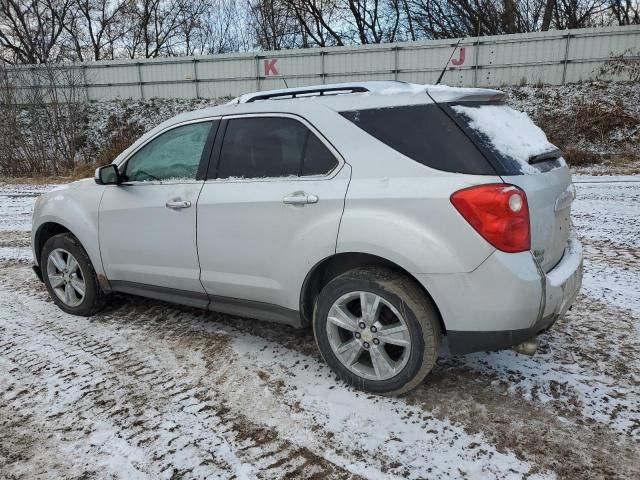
{"points": [[92, 380], [538, 406], [556, 435], [579, 447], [183, 330], [14, 238], [611, 253]]}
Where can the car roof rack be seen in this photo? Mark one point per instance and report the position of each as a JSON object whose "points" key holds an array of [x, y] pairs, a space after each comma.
{"points": [[306, 91]]}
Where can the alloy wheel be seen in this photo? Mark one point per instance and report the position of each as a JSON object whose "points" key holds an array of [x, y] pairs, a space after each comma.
{"points": [[65, 277], [368, 335]]}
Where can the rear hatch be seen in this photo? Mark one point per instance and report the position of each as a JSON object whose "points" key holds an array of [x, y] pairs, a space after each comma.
{"points": [[521, 154]]}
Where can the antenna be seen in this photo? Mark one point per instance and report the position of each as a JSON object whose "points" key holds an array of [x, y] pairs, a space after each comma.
{"points": [[285, 82], [448, 61]]}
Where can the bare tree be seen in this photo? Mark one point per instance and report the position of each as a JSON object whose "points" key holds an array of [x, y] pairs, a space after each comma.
{"points": [[274, 24], [318, 20], [95, 27], [39, 31], [223, 28], [626, 12], [580, 13], [549, 7], [155, 26], [44, 108], [32, 31]]}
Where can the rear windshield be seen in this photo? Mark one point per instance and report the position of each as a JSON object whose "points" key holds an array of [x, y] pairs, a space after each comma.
{"points": [[506, 135], [425, 134]]}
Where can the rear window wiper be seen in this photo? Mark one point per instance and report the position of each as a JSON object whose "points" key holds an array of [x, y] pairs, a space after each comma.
{"points": [[543, 157]]}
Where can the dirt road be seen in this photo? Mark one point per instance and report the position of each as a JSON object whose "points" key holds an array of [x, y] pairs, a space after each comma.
{"points": [[151, 390]]}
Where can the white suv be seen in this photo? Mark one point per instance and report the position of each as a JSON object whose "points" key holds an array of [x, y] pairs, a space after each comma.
{"points": [[388, 216]]}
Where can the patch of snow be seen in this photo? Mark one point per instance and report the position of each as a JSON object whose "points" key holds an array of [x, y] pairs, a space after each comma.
{"points": [[606, 178], [16, 253], [613, 285], [408, 88], [608, 212], [16, 205], [553, 375], [510, 132], [378, 427], [166, 181]]}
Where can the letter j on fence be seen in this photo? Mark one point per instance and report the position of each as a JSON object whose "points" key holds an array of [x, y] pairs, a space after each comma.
{"points": [[460, 60]]}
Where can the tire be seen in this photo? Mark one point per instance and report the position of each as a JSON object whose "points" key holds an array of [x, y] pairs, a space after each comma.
{"points": [[61, 246], [402, 306]]}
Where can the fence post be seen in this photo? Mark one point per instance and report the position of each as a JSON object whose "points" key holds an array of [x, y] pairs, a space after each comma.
{"points": [[86, 83], [396, 50], [476, 56], [139, 65], [257, 73], [566, 58], [322, 70], [195, 78]]}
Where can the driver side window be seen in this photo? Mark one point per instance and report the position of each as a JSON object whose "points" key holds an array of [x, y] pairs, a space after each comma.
{"points": [[174, 155]]}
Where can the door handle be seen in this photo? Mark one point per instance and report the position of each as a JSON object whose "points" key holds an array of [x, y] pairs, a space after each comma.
{"points": [[177, 204], [300, 199]]}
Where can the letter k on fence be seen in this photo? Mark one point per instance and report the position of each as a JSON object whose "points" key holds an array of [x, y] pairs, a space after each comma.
{"points": [[270, 67]]}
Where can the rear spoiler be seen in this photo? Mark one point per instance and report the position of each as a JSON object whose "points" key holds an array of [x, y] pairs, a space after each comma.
{"points": [[543, 157], [444, 94]]}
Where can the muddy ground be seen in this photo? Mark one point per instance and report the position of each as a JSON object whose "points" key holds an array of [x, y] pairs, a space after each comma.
{"points": [[151, 390]]}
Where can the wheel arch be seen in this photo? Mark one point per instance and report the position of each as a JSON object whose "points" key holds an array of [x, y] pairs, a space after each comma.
{"points": [[44, 233], [51, 228], [330, 267]]}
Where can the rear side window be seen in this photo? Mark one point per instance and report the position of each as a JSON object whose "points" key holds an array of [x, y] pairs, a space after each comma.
{"points": [[506, 135], [425, 134], [266, 147]]}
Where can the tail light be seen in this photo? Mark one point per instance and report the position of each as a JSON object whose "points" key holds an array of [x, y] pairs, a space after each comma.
{"points": [[499, 212]]}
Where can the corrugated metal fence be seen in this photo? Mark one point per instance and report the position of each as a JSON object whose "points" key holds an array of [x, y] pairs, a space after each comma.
{"points": [[555, 57]]}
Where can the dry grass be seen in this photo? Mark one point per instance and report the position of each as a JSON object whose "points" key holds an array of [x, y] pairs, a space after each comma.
{"points": [[34, 180], [580, 157], [592, 122], [122, 135], [594, 132]]}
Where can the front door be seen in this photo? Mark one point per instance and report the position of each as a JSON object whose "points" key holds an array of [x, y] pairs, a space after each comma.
{"points": [[147, 225]]}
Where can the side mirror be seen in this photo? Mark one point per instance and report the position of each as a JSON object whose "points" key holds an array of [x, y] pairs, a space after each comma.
{"points": [[108, 175]]}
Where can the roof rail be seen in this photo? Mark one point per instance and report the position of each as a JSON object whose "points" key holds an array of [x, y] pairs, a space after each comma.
{"points": [[294, 93]]}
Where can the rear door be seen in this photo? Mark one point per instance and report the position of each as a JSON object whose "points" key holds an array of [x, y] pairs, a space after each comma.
{"points": [[522, 156], [147, 225], [270, 210]]}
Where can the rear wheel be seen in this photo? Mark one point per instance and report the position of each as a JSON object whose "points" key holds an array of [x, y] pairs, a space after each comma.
{"points": [[69, 276], [377, 330]]}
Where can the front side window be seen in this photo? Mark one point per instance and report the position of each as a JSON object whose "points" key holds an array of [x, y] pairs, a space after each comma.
{"points": [[266, 147], [174, 155]]}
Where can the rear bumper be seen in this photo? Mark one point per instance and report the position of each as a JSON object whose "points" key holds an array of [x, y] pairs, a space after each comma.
{"points": [[461, 342], [506, 300]]}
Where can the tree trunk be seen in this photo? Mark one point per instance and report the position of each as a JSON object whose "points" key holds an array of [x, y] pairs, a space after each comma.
{"points": [[548, 14]]}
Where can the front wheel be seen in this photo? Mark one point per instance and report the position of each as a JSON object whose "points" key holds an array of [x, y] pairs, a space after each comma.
{"points": [[69, 276], [377, 330]]}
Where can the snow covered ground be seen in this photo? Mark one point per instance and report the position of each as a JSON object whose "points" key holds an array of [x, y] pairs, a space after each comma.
{"points": [[152, 390]]}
